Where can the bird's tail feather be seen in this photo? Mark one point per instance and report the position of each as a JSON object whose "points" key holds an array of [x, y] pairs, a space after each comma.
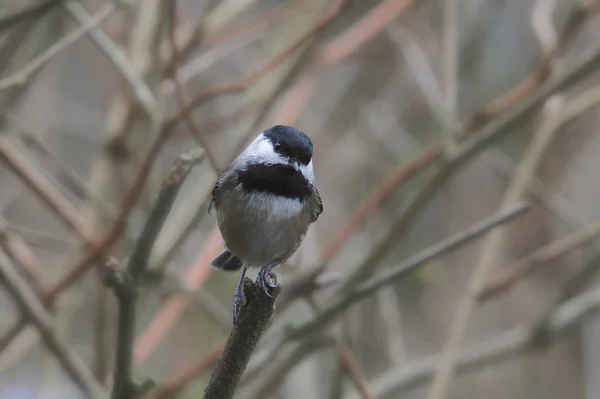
{"points": [[227, 261]]}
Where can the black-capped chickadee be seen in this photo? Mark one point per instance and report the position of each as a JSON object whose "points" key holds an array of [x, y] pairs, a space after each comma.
{"points": [[265, 201]]}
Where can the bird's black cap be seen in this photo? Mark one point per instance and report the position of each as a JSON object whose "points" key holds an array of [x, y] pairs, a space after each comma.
{"points": [[290, 142]]}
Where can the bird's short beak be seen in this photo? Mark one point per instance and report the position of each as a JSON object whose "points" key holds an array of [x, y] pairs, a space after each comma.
{"points": [[295, 164]]}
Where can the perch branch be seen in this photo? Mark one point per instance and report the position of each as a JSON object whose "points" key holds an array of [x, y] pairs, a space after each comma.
{"points": [[126, 284], [253, 319]]}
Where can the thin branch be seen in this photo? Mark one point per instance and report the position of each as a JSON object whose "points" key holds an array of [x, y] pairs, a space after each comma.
{"points": [[541, 326], [492, 245], [68, 177], [510, 275], [352, 368], [37, 314], [498, 127], [39, 185], [175, 385], [300, 94], [96, 246], [126, 284], [253, 319], [24, 75], [249, 80], [501, 347], [450, 74], [182, 97], [24, 10], [21, 255], [275, 369], [116, 56], [404, 269]]}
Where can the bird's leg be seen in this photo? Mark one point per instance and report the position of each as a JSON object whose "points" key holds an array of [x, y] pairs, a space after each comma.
{"points": [[238, 298], [267, 279]]}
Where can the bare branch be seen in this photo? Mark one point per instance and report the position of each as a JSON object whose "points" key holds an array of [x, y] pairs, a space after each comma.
{"points": [[253, 319], [126, 284], [24, 75], [404, 269], [116, 56], [37, 314], [501, 347]]}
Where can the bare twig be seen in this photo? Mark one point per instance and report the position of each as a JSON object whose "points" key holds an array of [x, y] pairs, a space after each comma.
{"points": [[18, 11], [253, 319], [30, 70], [171, 388], [510, 275], [35, 312], [116, 56], [59, 205], [501, 347], [404, 269], [302, 89], [126, 283], [249, 80], [182, 97], [468, 300], [492, 131]]}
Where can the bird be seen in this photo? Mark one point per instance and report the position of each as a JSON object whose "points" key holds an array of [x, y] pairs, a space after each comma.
{"points": [[265, 200]]}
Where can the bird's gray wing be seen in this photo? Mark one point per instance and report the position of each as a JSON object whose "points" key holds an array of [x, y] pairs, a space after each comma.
{"points": [[318, 208], [213, 203]]}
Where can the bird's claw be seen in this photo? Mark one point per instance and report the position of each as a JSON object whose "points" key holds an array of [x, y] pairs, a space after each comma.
{"points": [[238, 302], [267, 280]]}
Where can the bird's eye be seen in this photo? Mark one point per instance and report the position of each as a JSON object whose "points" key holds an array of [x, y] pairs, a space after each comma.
{"points": [[277, 146]]}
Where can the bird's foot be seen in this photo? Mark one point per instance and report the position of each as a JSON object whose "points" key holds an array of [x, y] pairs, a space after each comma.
{"points": [[267, 280], [238, 298], [238, 301]]}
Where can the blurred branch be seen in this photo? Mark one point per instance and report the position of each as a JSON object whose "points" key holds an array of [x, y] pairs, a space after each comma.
{"points": [[352, 369], [250, 79], [182, 96], [502, 347], [450, 75], [35, 312], [499, 126], [116, 56], [126, 284], [25, 74], [21, 255], [542, 329], [509, 276], [175, 385], [40, 186], [19, 10], [253, 319], [574, 107], [301, 91], [96, 247], [404, 269], [68, 177], [493, 244], [275, 369]]}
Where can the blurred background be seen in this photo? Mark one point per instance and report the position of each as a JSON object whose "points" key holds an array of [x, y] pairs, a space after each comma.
{"points": [[427, 117]]}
